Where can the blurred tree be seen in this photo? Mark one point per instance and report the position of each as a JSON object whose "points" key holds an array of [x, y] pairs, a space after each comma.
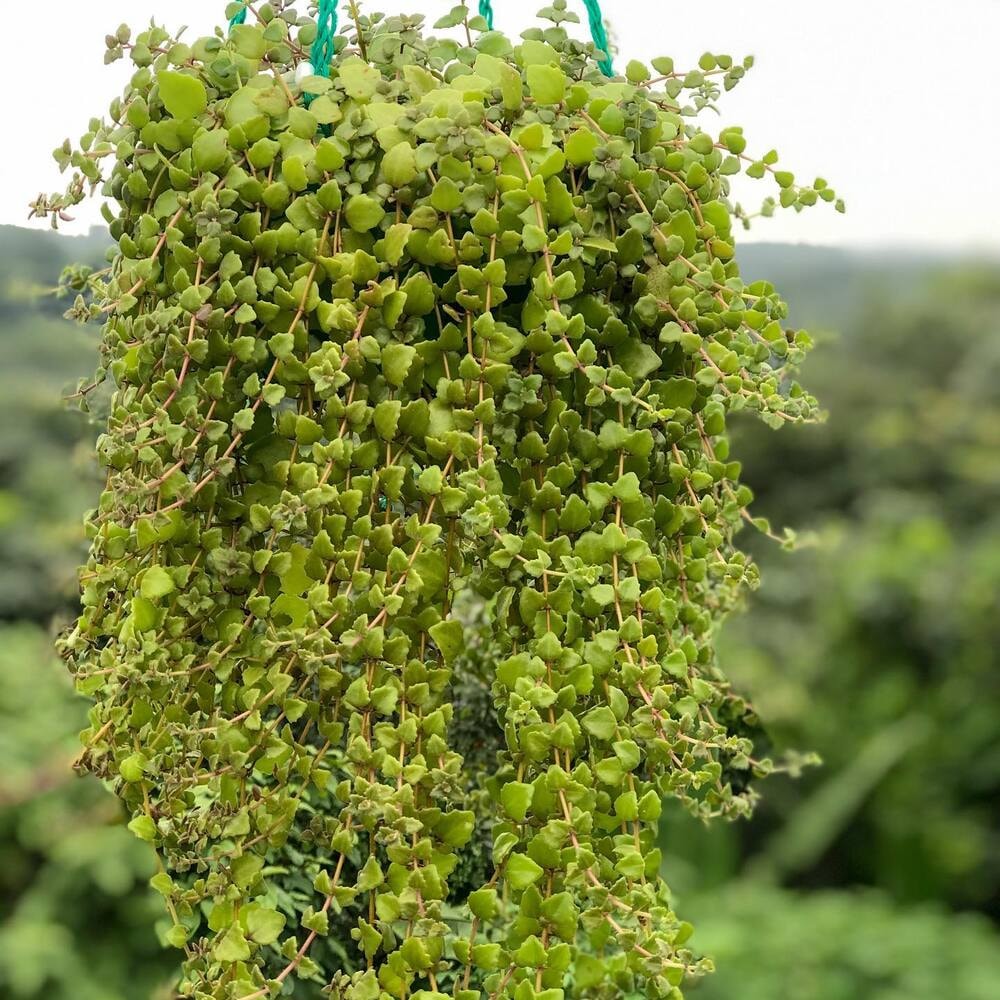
{"points": [[41, 534], [76, 917], [772, 944], [878, 648]]}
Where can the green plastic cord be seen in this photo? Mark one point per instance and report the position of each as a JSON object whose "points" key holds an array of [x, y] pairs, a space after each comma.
{"points": [[486, 11]]}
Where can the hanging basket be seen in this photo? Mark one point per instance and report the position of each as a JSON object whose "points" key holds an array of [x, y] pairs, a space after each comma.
{"points": [[420, 513]]}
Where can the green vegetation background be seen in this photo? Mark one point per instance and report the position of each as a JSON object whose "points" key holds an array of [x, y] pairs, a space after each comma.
{"points": [[876, 876]]}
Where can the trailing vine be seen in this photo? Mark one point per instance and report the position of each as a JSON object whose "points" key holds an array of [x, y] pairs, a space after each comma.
{"points": [[420, 513]]}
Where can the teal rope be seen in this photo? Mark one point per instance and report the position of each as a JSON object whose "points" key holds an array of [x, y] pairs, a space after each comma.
{"points": [[323, 49], [600, 36], [596, 18], [240, 17]]}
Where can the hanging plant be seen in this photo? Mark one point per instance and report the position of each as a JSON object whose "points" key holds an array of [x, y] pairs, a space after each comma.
{"points": [[420, 514]]}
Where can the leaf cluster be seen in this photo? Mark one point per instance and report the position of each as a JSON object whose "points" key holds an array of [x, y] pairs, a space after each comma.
{"points": [[463, 333]]}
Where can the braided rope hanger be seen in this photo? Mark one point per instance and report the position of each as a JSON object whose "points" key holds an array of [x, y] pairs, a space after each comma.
{"points": [[597, 32], [599, 35], [323, 48]]}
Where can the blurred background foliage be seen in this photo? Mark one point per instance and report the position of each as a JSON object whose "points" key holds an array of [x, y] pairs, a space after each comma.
{"points": [[876, 875], [76, 916]]}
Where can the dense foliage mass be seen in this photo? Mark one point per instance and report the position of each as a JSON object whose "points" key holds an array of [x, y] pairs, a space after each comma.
{"points": [[447, 353]]}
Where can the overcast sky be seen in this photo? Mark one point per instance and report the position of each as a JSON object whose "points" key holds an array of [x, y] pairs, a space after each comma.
{"points": [[895, 102]]}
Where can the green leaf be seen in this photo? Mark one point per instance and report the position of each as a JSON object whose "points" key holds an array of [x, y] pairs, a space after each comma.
{"points": [[534, 238], [534, 52], [487, 956], [484, 903], [431, 480], [627, 751], [511, 87], [600, 722], [264, 925], [579, 148], [245, 868], [363, 212], [305, 213], [232, 946], [456, 827], [282, 345], [370, 875], [627, 807], [516, 797], [448, 636], [317, 921], [210, 150], [133, 767], [156, 583], [177, 936], [162, 883], [636, 72], [560, 911], [358, 78], [393, 245], [396, 362], [183, 95], [143, 827], [588, 971], [521, 872], [679, 392], [248, 40], [650, 807], [243, 420], [547, 84], [445, 195], [636, 358], [457, 15], [682, 224], [400, 165], [414, 952], [575, 515], [386, 418], [144, 613], [627, 488]]}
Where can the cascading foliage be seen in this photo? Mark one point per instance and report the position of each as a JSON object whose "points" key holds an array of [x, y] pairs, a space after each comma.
{"points": [[419, 518]]}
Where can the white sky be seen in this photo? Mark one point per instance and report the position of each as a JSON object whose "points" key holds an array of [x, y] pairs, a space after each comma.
{"points": [[893, 101]]}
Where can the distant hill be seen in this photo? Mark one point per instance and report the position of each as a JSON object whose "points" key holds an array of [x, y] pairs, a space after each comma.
{"points": [[826, 286], [31, 261], [44, 485]]}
